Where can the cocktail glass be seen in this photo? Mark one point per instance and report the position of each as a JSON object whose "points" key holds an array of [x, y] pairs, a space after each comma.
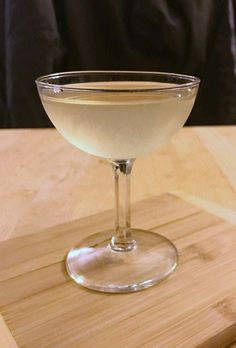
{"points": [[119, 115]]}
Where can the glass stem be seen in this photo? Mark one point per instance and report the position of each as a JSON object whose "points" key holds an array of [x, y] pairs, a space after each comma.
{"points": [[122, 239]]}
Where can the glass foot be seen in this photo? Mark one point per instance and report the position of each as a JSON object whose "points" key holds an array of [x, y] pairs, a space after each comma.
{"points": [[96, 266]]}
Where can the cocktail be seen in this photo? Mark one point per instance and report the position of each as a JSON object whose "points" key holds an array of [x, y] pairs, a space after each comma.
{"points": [[119, 115]]}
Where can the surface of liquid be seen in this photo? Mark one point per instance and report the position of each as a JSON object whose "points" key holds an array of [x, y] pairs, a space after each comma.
{"points": [[118, 124]]}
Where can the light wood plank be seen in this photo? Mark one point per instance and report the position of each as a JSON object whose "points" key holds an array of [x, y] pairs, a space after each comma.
{"points": [[195, 307], [45, 181], [211, 207], [6, 338]]}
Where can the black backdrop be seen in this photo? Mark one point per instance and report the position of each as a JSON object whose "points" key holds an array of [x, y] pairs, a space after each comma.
{"points": [[194, 37]]}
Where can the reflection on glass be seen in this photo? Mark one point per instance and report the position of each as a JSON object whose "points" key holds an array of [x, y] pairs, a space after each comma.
{"points": [[119, 116]]}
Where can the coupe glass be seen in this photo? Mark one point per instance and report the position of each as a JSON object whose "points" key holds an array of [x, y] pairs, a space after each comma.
{"points": [[119, 115]]}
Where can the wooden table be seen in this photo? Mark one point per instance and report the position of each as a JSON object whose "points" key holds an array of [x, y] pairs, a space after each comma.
{"points": [[45, 181]]}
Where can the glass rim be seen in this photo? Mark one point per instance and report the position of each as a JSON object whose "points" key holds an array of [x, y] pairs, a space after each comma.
{"points": [[40, 81]]}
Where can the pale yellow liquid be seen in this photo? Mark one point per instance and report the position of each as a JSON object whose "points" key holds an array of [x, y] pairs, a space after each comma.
{"points": [[118, 125]]}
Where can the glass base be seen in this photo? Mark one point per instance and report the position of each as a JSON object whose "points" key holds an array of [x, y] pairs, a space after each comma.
{"points": [[96, 266]]}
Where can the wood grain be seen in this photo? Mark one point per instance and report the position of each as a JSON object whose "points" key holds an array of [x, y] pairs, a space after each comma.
{"points": [[195, 307], [6, 338], [45, 181]]}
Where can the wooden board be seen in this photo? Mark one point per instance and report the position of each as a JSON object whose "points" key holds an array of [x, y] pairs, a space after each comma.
{"points": [[195, 307]]}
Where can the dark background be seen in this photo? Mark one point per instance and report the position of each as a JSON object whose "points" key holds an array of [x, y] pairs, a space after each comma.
{"points": [[195, 37]]}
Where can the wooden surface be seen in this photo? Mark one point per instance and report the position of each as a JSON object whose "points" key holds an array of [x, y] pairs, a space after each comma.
{"points": [[44, 181], [195, 307]]}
